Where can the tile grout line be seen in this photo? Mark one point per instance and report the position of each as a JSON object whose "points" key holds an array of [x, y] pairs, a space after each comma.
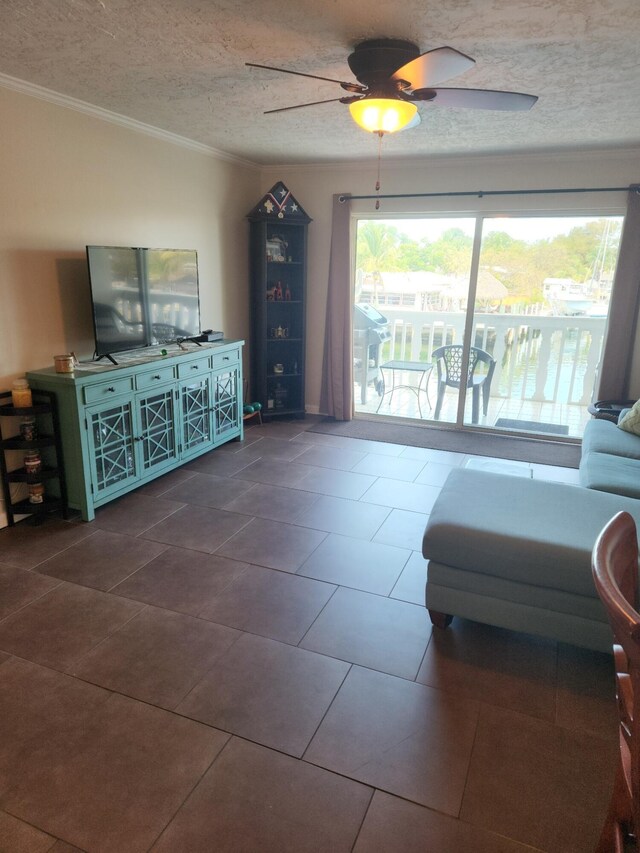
{"points": [[191, 791], [364, 817], [33, 601], [328, 708]]}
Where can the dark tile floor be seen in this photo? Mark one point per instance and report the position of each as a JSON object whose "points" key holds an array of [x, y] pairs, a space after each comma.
{"points": [[236, 657]]}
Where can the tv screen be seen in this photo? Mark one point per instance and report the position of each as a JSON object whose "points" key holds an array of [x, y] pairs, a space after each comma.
{"points": [[142, 297]]}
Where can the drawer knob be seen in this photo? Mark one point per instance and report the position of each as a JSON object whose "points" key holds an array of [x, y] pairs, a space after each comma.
{"points": [[157, 376], [194, 367], [112, 389], [225, 358]]}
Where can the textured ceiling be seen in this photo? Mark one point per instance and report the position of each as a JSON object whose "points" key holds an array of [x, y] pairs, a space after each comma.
{"points": [[179, 65]]}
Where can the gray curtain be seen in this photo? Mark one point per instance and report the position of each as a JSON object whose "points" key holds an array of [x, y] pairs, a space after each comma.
{"points": [[336, 392], [617, 355]]}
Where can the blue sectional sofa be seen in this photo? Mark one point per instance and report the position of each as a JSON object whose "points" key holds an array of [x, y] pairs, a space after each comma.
{"points": [[515, 552], [610, 460]]}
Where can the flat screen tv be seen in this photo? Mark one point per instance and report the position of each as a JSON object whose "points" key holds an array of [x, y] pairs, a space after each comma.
{"points": [[142, 297]]}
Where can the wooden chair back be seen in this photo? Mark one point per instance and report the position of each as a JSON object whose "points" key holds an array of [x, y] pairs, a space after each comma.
{"points": [[615, 572]]}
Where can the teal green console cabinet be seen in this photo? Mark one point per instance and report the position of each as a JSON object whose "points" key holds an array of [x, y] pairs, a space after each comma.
{"points": [[123, 426]]}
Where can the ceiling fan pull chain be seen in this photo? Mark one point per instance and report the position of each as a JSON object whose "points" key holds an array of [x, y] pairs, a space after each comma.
{"points": [[380, 135]]}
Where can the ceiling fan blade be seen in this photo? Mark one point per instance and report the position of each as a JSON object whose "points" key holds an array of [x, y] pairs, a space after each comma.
{"points": [[311, 104], [476, 99], [432, 67], [350, 87]]}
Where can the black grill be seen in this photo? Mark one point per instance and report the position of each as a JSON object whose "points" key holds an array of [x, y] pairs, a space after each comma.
{"points": [[370, 331]]}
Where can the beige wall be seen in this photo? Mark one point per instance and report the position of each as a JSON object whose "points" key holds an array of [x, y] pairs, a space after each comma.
{"points": [[314, 187], [68, 179]]}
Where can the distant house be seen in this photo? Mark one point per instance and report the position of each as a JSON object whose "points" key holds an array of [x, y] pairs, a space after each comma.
{"points": [[427, 291]]}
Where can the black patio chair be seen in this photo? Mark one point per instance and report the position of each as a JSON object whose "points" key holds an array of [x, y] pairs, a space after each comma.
{"points": [[449, 363]]}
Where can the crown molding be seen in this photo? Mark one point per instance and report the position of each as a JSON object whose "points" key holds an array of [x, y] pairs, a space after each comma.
{"points": [[60, 100], [364, 165]]}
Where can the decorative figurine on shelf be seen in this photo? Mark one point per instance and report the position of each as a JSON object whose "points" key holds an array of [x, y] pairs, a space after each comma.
{"points": [[271, 293], [280, 332], [276, 248], [278, 292], [287, 294]]}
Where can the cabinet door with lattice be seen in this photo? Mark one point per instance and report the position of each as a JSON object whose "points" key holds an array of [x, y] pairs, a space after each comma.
{"points": [[196, 423], [112, 453], [226, 403], [156, 430]]}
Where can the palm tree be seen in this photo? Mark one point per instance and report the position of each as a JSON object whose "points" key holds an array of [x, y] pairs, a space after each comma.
{"points": [[376, 245]]}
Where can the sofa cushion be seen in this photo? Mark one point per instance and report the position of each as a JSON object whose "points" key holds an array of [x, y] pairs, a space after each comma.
{"points": [[608, 473], [540, 597], [604, 437], [631, 420], [529, 531]]}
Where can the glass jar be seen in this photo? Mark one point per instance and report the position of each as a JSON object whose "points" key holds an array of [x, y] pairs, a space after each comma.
{"points": [[32, 461], [21, 394], [36, 493], [64, 363], [28, 429]]}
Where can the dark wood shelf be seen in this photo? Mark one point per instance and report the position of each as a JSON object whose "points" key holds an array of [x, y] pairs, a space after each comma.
{"points": [[289, 410], [282, 226], [12, 411], [25, 507], [44, 406], [22, 444], [21, 475]]}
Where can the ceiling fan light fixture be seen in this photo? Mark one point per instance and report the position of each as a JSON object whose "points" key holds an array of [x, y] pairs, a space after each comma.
{"points": [[382, 115]]}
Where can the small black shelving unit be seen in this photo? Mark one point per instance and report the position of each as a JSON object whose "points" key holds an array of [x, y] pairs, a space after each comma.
{"points": [[47, 440], [278, 269]]}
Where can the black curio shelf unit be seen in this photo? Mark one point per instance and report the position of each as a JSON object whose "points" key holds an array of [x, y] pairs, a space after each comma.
{"points": [[278, 270], [13, 445]]}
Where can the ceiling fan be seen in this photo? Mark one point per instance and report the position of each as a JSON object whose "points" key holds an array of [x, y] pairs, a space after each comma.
{"points": [[393, 75]]}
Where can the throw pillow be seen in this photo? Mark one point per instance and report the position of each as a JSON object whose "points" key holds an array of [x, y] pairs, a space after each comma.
{"points": [[631, 421]]}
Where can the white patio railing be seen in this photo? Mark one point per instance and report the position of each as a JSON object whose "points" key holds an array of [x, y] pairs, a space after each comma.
{"points": [[545, 359]]}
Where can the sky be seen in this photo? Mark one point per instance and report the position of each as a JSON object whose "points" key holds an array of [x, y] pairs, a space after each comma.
{"points": [[529, 228]]}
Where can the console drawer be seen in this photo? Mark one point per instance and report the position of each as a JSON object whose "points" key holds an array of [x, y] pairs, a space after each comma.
{"points": [[194, 368], [226, 359], [104, 390], [154, 377]]}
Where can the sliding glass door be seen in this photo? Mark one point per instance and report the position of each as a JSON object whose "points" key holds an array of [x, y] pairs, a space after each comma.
{"points": [[540, 310], [494, 321], [407, 274]]}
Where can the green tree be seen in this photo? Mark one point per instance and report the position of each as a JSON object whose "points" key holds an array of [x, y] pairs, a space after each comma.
{"points": [[588, 251], [376, 244], [451, 252]]}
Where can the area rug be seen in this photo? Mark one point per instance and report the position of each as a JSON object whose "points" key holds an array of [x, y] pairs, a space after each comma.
{"points": [[477, 443], [533, 426]]}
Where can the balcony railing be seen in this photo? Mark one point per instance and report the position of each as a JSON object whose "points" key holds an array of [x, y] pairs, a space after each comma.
{"points": [[539, 359]]}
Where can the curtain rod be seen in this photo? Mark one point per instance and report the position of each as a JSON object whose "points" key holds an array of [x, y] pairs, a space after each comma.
{"points": [[481, 193]]}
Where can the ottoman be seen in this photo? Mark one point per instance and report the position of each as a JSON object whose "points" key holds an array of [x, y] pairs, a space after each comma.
{"points": [[516, 553]]}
